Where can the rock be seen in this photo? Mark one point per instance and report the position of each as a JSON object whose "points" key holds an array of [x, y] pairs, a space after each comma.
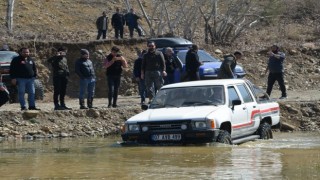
{"points": [[46, 129], [293, 52], [308, 46], [287, 127], [32, 132], [14, 133], [63, 135], [218, 51], [317, 70], [28, 137], [16, 121], [30, 114]]}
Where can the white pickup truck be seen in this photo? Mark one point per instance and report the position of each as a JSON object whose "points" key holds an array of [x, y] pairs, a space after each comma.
{"points": [[227, 111]]}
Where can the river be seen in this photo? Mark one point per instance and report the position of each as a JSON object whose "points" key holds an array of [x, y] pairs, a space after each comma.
{"points": [[287, 156]]}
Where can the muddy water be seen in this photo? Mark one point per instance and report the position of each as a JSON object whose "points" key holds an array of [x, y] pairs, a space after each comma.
{"points": [[287, 156]]}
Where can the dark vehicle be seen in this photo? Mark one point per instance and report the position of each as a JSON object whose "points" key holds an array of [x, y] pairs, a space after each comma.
{"points": [[5, 60], [173, 42]]}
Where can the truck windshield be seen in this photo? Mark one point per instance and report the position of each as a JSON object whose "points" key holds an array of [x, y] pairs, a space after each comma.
{"points": [[189, 96], [7, 56]]}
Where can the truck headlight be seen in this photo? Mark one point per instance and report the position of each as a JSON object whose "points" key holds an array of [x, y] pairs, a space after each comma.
{"points": [[208, 71], [200, 124], [133, 127]]}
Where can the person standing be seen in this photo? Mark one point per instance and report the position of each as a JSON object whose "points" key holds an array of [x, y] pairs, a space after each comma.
{"points": [[23, 73], [114, 63], [84, 69], [153, 68], [173, 64], [60, 70], [102, 26], [276, 70], [132, 22], [137, 76], [192, 64], [227, 68], [117, 22]]}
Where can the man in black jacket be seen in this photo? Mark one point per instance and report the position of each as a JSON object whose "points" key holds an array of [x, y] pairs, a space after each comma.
{"points": [[117, 22], [132, 22], [192, 64], [84, 69], [60, 78], [102, 26], [23, 73]]}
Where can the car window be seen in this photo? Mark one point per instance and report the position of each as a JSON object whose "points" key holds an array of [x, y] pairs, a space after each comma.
{"points": [[203, 56], [245, 93], [233, 95], [6, 56], [189, 96]]}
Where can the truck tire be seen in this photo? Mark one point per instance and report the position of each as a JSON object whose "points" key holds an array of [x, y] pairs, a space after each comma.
{"points": [[224, 137], [264, 131], [39, 90]]}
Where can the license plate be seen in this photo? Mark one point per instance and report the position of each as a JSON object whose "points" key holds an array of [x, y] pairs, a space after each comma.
{"points": [[166, 137]]}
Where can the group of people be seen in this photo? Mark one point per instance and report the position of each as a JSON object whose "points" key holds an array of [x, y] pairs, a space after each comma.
{"points": [[23, 72], [152, 70], [118, 21]]}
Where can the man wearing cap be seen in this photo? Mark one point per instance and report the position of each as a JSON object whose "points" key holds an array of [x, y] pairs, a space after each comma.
{"points": [[276, 70], [84, 69], [228, 66]]}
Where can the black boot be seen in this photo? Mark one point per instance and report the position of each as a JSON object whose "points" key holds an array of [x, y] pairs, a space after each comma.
{"points": [[82, 106], [63, 105], [90, 103], [114, 104]]}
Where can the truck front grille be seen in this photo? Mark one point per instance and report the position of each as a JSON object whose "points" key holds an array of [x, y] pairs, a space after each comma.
{"points": [[165, 125]]}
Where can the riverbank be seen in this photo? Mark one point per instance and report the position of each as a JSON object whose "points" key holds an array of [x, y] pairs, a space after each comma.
{"points": [[299, 112]]}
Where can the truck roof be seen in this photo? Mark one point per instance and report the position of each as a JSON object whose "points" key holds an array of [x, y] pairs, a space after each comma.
{"points": [[205, 83]]}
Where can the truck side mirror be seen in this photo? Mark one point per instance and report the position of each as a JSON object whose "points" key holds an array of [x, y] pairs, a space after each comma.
{"points": [[144, 107], [235, 103]]}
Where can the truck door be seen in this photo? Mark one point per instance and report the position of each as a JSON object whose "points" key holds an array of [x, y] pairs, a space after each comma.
{"points": [[253, 113], [239, 113]]}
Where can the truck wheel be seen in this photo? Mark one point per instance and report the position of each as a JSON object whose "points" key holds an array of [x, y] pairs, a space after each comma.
{"points": [[39, 91], [264, 131], [224, 137]]}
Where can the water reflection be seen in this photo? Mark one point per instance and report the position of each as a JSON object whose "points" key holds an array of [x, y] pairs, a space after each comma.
{"points": [[284, 157]]}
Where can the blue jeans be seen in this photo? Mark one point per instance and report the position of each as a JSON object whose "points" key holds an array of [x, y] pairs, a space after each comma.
{"points": [[87, 86], [26, 85]]}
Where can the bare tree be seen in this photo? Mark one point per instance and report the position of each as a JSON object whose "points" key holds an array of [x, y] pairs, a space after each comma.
{"points": [[10, 15], [229, 23]]}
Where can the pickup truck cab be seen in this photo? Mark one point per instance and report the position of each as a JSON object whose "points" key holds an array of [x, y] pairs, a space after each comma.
{"points": [[226, 111]]}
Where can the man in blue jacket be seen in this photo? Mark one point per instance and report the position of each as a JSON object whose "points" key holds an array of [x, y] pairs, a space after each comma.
{"points": [[84, 69], [276, 70], [132, 22]]}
